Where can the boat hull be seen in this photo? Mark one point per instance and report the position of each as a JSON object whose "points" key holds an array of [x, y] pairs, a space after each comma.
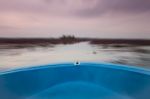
{"points": [[69, 81]]}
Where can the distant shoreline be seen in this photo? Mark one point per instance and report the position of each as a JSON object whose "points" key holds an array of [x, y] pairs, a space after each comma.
{"points": [[71, 40]]}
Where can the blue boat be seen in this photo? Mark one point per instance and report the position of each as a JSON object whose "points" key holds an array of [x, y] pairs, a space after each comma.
{"points": [[76, 81]]}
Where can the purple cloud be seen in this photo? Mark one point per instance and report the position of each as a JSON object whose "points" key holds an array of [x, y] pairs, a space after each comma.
{"points": [[76, 7], [127, 18]]}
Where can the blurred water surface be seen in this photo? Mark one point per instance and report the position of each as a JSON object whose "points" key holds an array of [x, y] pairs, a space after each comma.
{"points": [[14, 56]]}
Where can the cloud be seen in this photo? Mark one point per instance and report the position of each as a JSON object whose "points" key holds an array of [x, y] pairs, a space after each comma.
{"points": [[99, 18], [76, 7]]}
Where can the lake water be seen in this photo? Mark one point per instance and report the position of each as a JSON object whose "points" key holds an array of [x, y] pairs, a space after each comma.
{"points": [[14, 56]]}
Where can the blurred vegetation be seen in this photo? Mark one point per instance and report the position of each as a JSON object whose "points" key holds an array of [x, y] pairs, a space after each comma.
{"points": [[70, 39]]}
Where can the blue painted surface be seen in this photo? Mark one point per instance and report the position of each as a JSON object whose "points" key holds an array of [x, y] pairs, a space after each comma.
{"points": [[69, 81]]}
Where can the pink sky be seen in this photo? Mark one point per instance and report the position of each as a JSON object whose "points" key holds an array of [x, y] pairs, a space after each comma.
{"points": [[83, 18]]}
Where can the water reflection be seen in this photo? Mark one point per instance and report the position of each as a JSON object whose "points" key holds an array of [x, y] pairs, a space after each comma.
{"points": [[18, 56]]}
